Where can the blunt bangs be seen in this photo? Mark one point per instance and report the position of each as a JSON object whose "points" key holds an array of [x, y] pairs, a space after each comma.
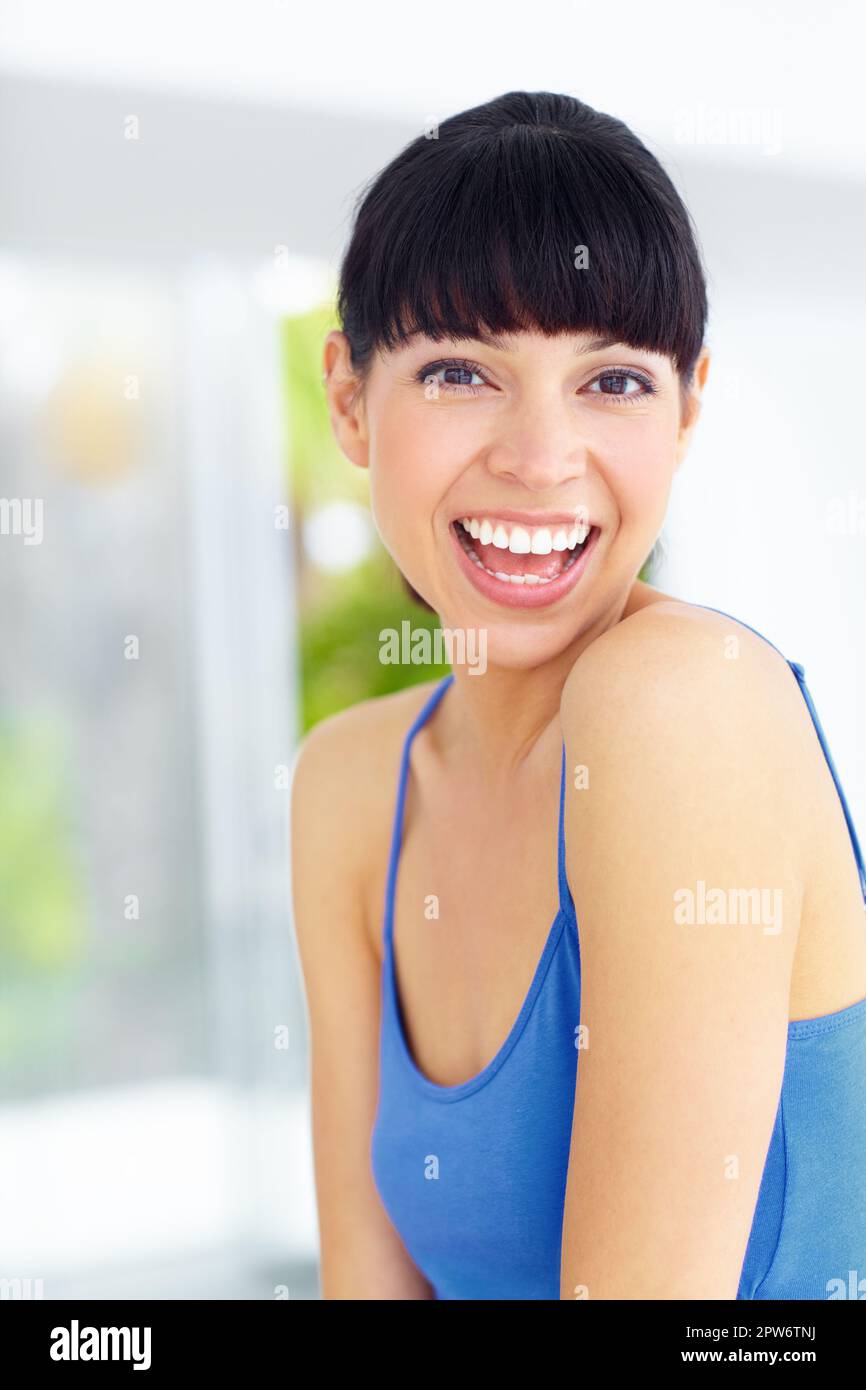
{"points": [[532, 212]]}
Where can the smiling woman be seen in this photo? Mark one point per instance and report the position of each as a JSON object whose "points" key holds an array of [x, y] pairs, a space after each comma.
{"points": [[644, 1106]]}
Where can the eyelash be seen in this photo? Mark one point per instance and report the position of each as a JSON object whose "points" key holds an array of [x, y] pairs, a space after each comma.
{"points": [[454, 390]]}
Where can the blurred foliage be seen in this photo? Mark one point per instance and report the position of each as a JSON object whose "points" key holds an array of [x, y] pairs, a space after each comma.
{"points": [[41, 902], [319, 472], [340, 642]]}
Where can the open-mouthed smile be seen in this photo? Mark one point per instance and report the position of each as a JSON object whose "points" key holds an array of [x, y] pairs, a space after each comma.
{"points": [[522, 565]]}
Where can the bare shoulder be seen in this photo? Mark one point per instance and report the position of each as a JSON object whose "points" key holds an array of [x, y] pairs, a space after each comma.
{"points": [[343, 787], [671, 638], [698, 737], [693, 671], [346, 748]]}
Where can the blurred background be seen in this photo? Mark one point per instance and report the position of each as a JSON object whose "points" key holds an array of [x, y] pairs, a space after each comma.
{"points": [[190, 575]]}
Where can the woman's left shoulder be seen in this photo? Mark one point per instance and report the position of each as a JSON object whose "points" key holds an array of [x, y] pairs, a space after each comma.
{"points": [[680, 659], [696, 750]]}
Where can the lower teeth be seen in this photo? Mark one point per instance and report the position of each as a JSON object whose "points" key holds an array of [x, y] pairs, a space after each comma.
{"points": [[514, 578]]}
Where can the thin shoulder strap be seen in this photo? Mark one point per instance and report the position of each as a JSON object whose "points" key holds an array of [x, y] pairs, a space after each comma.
{"points": [[800, 674], [397, 829], [742, 624], [566, 902], [858, 853]]}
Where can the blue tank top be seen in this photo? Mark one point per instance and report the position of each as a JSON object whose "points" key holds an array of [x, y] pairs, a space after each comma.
{"points": [[473, 1176]]}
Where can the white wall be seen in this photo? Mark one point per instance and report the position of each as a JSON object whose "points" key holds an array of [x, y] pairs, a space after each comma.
{"points": [[782, 439]]}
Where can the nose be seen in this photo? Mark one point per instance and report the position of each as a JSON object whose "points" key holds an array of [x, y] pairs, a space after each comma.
{"points": [[540, 446]]}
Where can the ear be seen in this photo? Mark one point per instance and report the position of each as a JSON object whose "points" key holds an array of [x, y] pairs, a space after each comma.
{"points": [[692, 408], [346, 408]]}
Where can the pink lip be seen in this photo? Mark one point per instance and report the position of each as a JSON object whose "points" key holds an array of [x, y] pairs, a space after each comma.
{"points": [[523, 595]]}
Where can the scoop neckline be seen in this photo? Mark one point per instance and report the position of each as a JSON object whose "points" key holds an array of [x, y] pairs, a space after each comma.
{"points": [[474, 1083], [424, 1083]]}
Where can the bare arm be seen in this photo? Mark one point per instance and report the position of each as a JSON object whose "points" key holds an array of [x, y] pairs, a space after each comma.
{"points": [[691, 781], [362, 1256]]}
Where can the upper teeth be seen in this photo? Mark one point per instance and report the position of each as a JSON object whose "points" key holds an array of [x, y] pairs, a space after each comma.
{"points": [[525, 540]]}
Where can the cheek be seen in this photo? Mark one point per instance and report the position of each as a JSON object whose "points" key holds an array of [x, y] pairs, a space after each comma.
{"points": [[639, 472], [395, 476], [414, 458]]}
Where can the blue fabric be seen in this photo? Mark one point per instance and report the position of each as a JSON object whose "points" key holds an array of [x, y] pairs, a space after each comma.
{"points": [[473, 1176]]}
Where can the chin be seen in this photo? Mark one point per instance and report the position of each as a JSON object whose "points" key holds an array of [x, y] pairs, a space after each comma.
{"points": [[518, 641]]}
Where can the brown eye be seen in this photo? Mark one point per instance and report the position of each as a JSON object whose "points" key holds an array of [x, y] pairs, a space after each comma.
{"points": [[454, 378], [616, 386], [458, 376]]}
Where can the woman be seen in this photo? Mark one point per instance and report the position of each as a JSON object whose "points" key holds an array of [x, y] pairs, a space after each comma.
{"points": [[671, 1101]]}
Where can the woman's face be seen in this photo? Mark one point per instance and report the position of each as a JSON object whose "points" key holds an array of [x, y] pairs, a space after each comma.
{"points": [[559, 452]]}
